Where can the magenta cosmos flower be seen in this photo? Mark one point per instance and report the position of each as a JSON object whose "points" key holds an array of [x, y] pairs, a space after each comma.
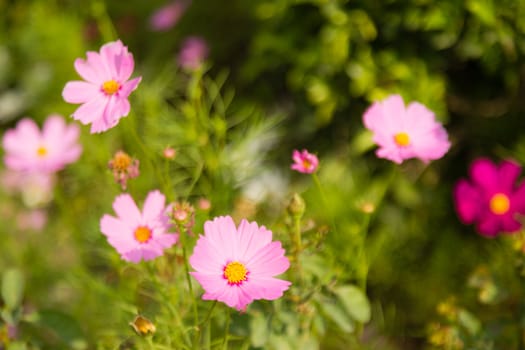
{"points": [[139, 235], [492, 199], [237, 265], [30, 150], [104, 93], [402, 133], [304, 162]]}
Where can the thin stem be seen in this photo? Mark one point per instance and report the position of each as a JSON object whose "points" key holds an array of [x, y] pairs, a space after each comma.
{"points": [[325, 200], [182, 238], [226, 331], [105, 26]]}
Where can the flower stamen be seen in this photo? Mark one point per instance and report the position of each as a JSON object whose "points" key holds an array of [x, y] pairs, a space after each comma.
{"points": [[499, 204], [110, 87], [41, 151], [143, 234], [236, 273], [402, 139]]}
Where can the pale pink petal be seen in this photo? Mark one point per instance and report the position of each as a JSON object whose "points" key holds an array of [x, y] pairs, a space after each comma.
{"points": [[268, 261], [129, 86], [252, 239], [133, 256], [110, 54], [90, 111], [127, 210], [153, 206], [221, 233], [266, 288], [89, 72], [80, 92]]}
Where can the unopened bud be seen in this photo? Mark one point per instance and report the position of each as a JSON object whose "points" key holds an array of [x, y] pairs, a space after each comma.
{"points": [[297, 206]]}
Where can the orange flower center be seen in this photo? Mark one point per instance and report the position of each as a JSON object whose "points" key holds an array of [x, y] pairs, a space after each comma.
{"points": [[402, 139], [235, 272], [307, 164], [143, 234], [41, 151], [121, 161], [110, 87], [499, 204]]}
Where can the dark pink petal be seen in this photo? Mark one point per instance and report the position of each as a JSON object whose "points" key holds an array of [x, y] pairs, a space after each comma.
{"points": [[484, 174], [489, 225], [468, 202], [517, 199], [508, 173], [509, 224]]}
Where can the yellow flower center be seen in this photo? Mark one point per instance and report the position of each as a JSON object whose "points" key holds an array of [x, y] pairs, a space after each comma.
{"points": [[41, 151], [235, 272], [307, 164], [143, 234], [499, 204], [121, 161], [110, 87], [402, 139]]}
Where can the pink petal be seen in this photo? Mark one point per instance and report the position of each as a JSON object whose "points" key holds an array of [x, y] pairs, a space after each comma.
{"points": [[127, 210], [212, 284], [110, 54], [222, 234], [265, 288], [468, 202], [206, 258], [269, 261], [91, 111], [484, 174], [93, 74], [508, 173], [153, 206], [251, 239], [80, 92], [129, 86]]}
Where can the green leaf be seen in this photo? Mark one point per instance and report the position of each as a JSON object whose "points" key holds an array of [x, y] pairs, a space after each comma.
{"points": [[336, 314], [469, 321], [12, 288], [355, 302], [66, 327]]}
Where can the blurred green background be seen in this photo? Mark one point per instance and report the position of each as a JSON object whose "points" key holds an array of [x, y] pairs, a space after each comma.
{"points": [[301, 73]]}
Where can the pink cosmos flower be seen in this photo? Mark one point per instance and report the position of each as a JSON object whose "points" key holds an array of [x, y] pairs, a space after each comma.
{"points": [[402, 133], [193, 52], [492, 199], [167, 16], [305, 162], [139, 235], [237, 265], [30, 150], [104, 93]]}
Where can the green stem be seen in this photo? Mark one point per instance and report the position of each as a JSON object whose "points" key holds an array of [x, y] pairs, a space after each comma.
{"points": [[105, 26], [226, 331], [182, 238], [325, 200]]}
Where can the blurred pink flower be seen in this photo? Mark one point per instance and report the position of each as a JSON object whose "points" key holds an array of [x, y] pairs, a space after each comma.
{"points": [[36, 189], [104, 94], [402, 133], [492, 199], [167, 16], [193, 52], [139, 235], [31, 150], [35, 220], [124, 168], [237, 265], [304, 162]]}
